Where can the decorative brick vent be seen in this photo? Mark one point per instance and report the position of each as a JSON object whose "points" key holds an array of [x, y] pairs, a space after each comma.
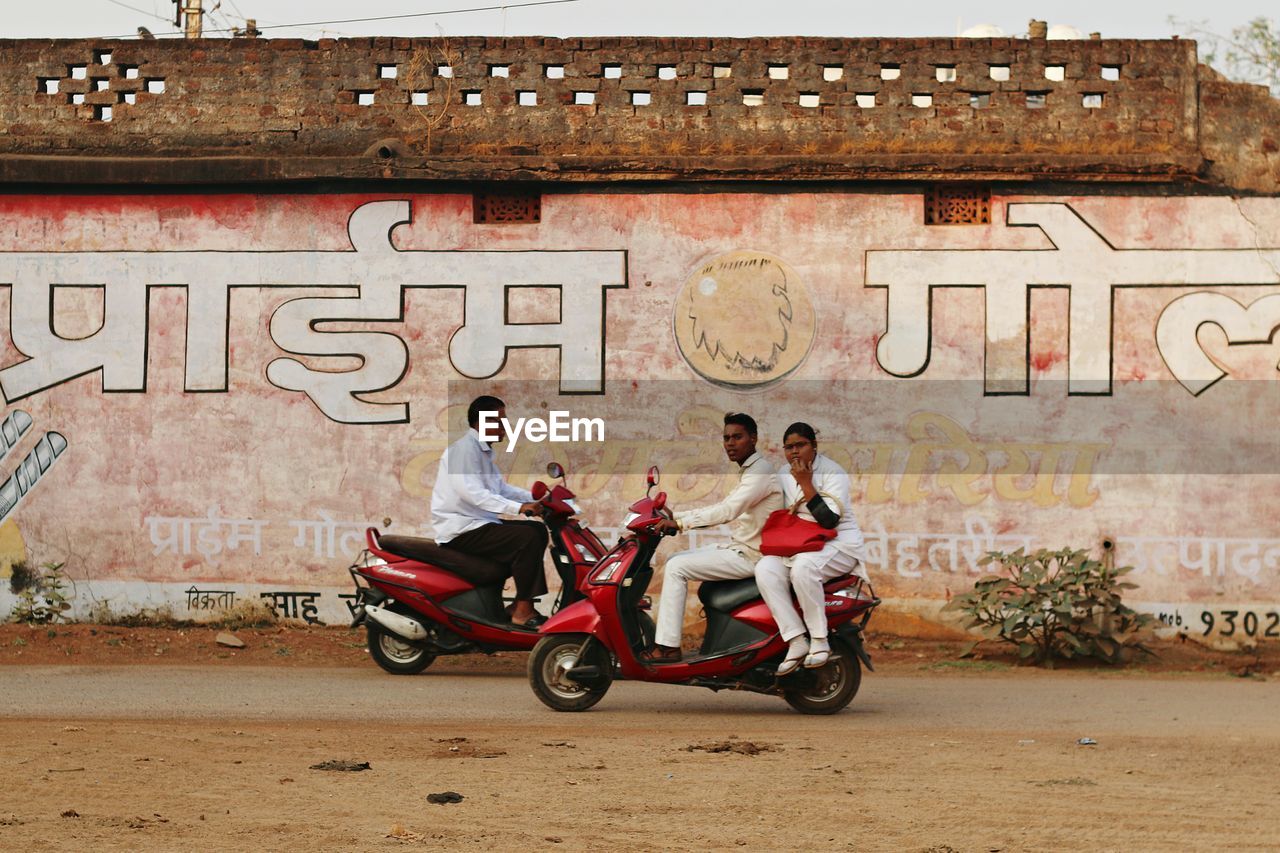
{"points": [[99, 85], [483, 111], [501, 208], [957, 204]]}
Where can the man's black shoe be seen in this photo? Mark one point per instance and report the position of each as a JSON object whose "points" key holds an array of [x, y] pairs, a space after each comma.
{"points": [[532, 623]]}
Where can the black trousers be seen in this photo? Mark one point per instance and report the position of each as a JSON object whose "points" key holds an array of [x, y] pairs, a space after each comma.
{"points": [[517, 546]]}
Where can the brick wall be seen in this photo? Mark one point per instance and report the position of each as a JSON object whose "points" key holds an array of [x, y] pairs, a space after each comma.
{"points": [[88, 111]]}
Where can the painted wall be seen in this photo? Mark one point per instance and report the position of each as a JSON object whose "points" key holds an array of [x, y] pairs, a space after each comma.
{"points": [[219, 392]]}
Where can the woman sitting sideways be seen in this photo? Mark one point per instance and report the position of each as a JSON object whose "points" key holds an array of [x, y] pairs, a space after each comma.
{"points": [[816, 489]]}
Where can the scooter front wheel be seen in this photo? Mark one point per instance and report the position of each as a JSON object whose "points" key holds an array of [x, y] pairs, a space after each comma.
{"points": [[394, 654], [829, 688], [549, 666]]}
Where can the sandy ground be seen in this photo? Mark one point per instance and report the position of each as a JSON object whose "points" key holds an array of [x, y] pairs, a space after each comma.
{"points": [[149, 755]]}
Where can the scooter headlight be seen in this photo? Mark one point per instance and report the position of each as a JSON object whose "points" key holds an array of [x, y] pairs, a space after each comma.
{"points": [[631, 516]]}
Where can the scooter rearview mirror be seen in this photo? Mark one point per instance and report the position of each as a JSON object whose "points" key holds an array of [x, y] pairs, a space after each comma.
{"points": [[652, 476], [539, 490], [555, 469]]}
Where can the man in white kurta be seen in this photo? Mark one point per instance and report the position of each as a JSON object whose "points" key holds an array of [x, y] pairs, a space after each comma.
{"points": [[744, 509]]}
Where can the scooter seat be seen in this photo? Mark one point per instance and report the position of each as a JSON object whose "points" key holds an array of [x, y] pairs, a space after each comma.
{"points": [[726, 596], [476, 570]]}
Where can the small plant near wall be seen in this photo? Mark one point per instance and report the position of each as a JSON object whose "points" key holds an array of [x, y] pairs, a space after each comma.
{"points": [[1055, 604], [42, 596]]}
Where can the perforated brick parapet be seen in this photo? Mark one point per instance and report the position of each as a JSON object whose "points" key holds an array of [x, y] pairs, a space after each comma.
{"points": [[626, 108]]}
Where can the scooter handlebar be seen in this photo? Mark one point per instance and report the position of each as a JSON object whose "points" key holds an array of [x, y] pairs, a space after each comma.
{"points": [[546, 510]]}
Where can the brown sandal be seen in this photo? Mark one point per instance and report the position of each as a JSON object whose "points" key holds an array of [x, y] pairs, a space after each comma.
{"points": [[661, 654]]}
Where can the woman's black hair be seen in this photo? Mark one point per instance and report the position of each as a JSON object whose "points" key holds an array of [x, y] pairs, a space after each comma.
{"points": [[802, 429]]}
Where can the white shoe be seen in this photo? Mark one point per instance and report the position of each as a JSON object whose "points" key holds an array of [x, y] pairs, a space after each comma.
{"points": [[818, 659], [819, 654], [796, 650], [789, 665]]}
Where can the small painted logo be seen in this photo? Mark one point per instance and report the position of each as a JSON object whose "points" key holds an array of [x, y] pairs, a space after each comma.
{"points": [[398, 573]]}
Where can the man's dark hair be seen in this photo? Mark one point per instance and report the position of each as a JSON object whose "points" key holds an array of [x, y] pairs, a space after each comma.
{"points": [[744, 420], [484, 403]]}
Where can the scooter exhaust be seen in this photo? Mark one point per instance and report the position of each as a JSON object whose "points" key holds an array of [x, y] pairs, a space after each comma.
{"points": [[401, 626], [587, 675]]}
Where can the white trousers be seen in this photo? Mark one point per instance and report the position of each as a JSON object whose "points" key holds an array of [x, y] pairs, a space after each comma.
{"points": [[805, 573], [714, 563]]}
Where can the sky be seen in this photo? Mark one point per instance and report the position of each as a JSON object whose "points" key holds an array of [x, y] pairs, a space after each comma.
{"points": [[740, 18]]}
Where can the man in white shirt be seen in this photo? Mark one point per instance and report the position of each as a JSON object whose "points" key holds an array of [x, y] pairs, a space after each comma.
{"points": [[744, 509], [469, 498]]}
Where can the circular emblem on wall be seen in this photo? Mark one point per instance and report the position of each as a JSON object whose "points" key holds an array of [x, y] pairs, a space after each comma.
{"points": [[744, 319]]}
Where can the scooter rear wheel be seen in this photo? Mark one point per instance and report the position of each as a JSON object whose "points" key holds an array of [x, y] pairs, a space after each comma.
{"points": [[549, 664], [396, 655], [830, 688]]}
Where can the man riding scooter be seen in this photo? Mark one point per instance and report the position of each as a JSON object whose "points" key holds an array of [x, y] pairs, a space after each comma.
{"points": [[745, 508], [600, 637], [469, 498]]}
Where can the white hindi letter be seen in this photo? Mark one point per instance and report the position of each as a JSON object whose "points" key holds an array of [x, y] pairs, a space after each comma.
{"points": [[118, 348], [372, 279], [379, 274], [1077, 257], [177, 536], [208, 306], [1181, 319], [479, 349]]}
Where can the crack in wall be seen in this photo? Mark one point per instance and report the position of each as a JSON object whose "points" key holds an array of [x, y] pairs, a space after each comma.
{"points": [[1263, 255]]}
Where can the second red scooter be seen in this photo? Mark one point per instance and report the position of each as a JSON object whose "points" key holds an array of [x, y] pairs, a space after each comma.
{"points": [[416, 602]]}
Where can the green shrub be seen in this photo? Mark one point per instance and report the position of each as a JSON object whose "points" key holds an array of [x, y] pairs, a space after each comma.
{"points": [[42, 595], [1055, 604]]}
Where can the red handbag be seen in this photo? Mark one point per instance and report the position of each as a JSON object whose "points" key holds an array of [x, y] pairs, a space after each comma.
{"points": [[786, 534]]}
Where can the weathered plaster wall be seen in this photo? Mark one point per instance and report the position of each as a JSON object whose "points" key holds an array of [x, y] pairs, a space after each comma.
{"points": [[1051, 378], [273, 110]]}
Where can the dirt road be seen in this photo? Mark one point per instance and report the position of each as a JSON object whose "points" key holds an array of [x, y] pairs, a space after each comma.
{"points": [[163, 758]]}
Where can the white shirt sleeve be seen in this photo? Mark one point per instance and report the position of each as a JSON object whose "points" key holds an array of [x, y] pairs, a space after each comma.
{"points": [[833, 483], [516, 493], [468, 483], [756, 484]]}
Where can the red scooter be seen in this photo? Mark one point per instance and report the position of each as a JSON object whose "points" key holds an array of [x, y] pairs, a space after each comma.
{"points": [[588, 644], [414, 598]]}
